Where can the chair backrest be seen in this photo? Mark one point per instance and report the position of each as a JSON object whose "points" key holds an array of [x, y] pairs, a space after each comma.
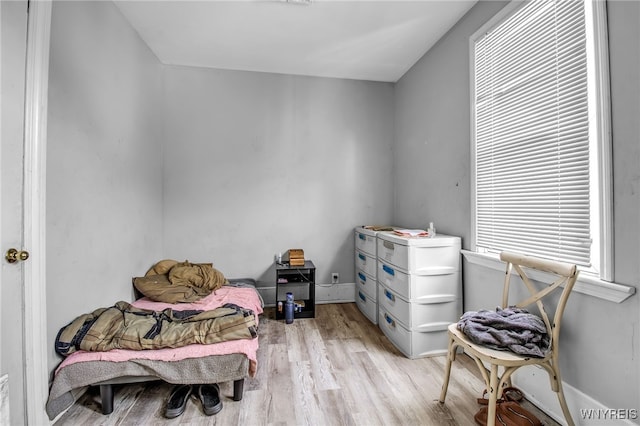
{"points": [[563, 273]]}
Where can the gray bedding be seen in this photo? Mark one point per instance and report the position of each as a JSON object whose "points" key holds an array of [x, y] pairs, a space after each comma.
{"points": [[211, 369]]}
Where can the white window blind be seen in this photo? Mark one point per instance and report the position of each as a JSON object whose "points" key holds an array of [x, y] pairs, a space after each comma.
{"points": [[531, 134]]}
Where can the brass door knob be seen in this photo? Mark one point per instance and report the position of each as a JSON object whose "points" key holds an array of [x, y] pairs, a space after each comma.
{"points": [[14, 255]]}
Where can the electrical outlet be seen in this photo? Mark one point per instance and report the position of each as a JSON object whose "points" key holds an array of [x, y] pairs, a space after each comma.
{"points": [[335, 278]]}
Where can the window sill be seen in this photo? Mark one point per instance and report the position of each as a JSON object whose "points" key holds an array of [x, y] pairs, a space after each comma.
{"points": [[586, 285]]}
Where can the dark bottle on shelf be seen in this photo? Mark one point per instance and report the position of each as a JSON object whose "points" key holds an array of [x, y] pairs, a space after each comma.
{"points": [[288, 309]]}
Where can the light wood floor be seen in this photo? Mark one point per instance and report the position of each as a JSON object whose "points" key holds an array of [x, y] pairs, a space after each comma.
{"points": [[335, 369]]}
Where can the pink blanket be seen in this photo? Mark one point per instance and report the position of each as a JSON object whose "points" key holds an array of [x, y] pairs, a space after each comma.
{"points": [[242, 296]]}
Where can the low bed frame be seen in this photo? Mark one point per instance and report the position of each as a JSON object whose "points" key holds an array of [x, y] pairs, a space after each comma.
{"points": [[104, 374]]}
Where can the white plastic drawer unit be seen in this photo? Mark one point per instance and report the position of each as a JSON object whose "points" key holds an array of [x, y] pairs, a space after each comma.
{"points": [[367, 305], [366, 284], [366, 240], [420, 255], [414, 287], [366, 263], [430, 313], [413, 344]]}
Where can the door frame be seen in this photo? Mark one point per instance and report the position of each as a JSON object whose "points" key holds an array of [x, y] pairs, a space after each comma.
{"points": [[36, 375]]}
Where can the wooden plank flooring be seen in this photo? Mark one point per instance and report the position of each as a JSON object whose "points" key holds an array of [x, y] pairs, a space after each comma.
{"points": [[335, 369]]}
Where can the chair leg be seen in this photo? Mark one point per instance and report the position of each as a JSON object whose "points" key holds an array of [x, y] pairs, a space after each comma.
{"points": [[483, 372], [553, 370], [451, 354], [565, 408], [493, 396], [561, 398]]}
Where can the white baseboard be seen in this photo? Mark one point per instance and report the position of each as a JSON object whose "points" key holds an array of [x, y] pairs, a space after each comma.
{"points": [[335, 293], [534, 383]]}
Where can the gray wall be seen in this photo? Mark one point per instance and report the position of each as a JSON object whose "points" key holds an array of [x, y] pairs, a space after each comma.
{"points": [[258, 163], [104, 161], [600, 338]]}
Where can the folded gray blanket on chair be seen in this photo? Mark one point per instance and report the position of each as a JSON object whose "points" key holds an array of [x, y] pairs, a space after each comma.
{"points": [[512, 329]]}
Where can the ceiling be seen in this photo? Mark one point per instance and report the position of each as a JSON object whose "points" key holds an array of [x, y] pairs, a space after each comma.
{"points": [[363, 40]]}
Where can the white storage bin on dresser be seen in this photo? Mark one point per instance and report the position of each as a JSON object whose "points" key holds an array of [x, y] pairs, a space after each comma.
{"points": [[366, 263], [413, 344], [427, 313], [414, 286], [365, 283], [367, 305], [366, 240], [365, 273], [419, 291]]}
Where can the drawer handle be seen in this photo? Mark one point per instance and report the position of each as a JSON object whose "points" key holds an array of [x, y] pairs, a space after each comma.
{"points": [[362, 237], [389, 320], [362, 277], [388, 270], [389, 245], [390, 295], [362, 257], [362, 296]]}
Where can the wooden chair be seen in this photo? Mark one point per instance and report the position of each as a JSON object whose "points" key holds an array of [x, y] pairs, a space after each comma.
{"points": [[566, 274]]}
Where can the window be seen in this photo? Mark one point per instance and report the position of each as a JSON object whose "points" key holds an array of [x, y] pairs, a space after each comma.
{"points": [[540, 127]]}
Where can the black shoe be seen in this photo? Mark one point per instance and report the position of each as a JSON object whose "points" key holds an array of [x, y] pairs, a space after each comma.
{"points": [[210, 397], [178, 400]]}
